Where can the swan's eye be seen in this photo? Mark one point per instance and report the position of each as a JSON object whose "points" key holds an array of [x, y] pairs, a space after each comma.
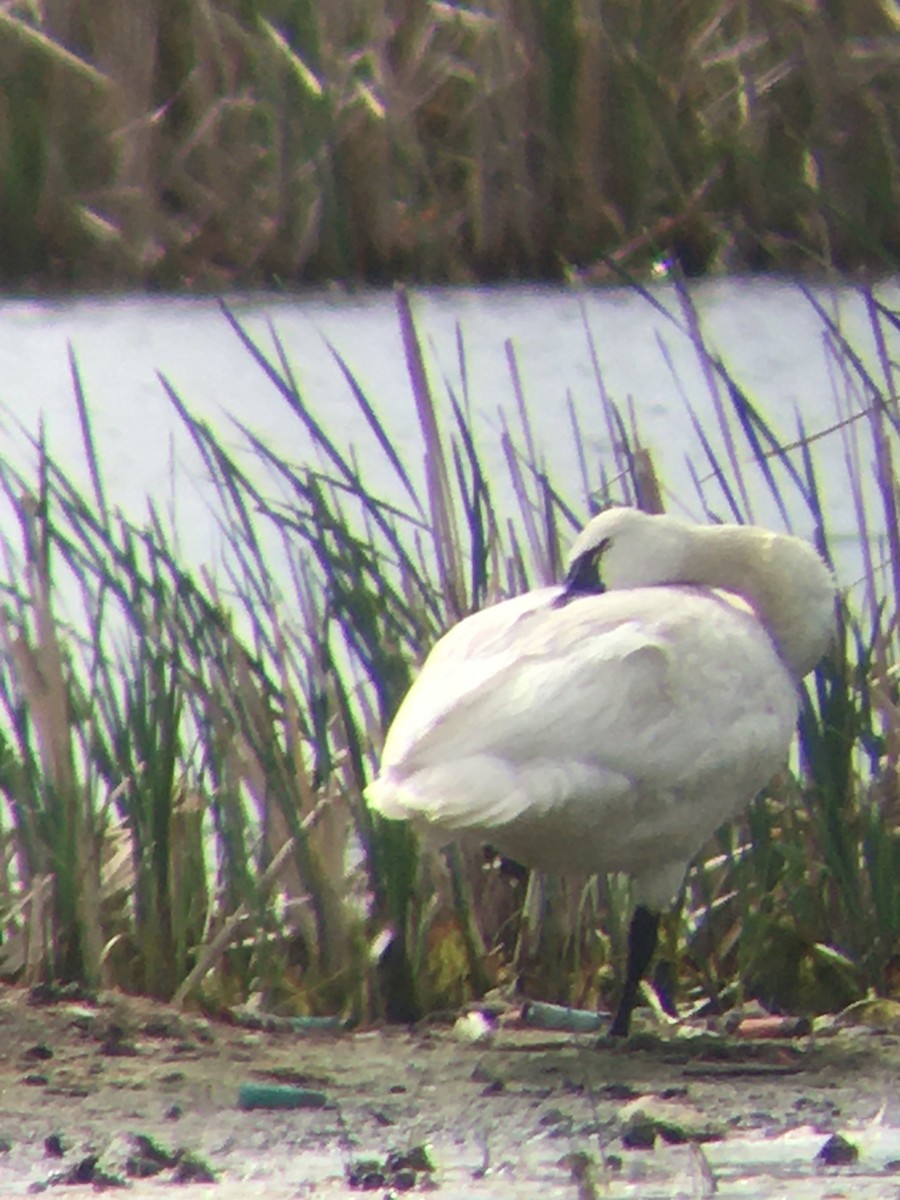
{"points": [[583, 578]]}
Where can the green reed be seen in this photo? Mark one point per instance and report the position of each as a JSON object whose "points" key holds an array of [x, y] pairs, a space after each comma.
{"points": [[183, 757]]}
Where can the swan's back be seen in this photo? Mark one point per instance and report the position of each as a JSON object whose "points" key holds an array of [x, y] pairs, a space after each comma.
{"points": [[613, 732]]}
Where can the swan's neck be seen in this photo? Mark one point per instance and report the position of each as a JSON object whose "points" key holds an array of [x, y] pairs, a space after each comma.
{"points": [[782, 577]]}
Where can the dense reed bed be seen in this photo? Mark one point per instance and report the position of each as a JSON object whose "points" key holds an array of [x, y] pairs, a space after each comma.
{"points": [[183, 756], [213, 141]]}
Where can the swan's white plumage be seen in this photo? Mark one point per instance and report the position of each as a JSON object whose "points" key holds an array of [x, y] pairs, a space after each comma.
{"points": [[617, 730]]}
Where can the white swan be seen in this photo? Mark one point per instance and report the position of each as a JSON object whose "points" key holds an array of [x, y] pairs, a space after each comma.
{"points": [[614, 723]]}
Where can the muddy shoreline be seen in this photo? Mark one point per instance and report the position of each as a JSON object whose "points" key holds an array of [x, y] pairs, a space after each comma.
{"points": [[528, 1112]]}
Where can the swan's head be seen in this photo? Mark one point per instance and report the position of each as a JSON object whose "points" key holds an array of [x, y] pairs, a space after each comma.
{"points": [[780, 576], [626, 548]]}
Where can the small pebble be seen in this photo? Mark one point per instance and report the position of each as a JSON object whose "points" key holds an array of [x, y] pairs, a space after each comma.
{"points": [[417, 1158], [117, 1046], [639, 1134], [149, 1148], [53, 1146], [676, 1123], [619, 1091], [366, 1174], [474, 1027], [837, 1152], [400, 1170], [192, 1169], [39, 1053]]}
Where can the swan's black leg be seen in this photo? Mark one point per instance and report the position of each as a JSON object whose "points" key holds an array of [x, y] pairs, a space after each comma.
{"points": [[641, 944]]}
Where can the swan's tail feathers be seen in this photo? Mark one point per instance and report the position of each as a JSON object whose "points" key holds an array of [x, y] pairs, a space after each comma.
{"points": [[384, 798]]}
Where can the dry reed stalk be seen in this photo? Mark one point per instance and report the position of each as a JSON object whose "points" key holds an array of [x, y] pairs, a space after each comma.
{"points": [[44, 687], [209, 140]]}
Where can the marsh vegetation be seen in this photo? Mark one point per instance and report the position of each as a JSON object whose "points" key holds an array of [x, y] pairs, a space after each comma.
{"points": [[206, 142], [183, 755]]}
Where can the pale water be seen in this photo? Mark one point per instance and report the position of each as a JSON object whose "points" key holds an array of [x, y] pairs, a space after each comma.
{"points": [[767, 333]]}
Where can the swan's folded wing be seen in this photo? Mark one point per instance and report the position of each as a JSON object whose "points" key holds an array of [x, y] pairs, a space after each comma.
{"points": [[536, 707], [515, 679]]}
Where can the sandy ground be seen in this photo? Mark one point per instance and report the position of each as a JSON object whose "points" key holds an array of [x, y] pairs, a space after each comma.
{"points": [[99, 1095]]}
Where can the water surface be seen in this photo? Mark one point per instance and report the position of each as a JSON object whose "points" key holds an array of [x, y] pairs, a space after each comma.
{"points": [[765, 330]]}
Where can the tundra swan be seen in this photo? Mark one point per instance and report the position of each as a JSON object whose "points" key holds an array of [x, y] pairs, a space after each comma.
{"points": [[613, 723]]}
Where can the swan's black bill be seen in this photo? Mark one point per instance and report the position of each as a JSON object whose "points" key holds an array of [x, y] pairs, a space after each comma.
{"points": [[583, 578]]}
